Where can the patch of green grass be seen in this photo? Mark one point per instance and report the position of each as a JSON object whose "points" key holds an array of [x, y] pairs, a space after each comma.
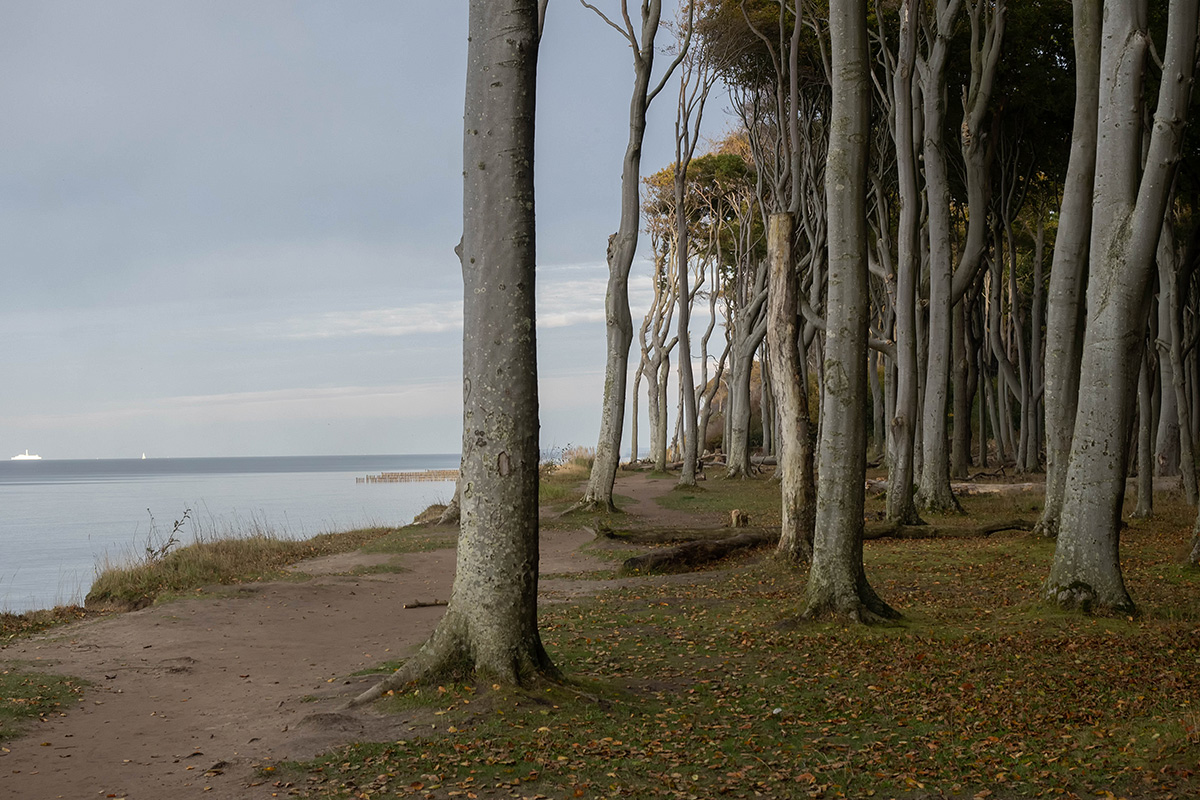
{"points": [[693, 688], [613, 553], [26, 696], [214, 561], [413, 539], [13, 626], [378, 569], [757, 496], [590, 575]]}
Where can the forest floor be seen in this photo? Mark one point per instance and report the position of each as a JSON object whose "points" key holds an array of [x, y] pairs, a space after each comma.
{"points": [[686, 685]]}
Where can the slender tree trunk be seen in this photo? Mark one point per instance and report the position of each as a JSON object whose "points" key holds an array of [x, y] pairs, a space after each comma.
{"points": [[1145, 449], [900, 505], [837, 581], [687, 383], [796, 456], [934, 492], [622, 247], [1130, 203], [960, 442], [1064, 307], [1168, 282], [490, 624], [879, 412]]}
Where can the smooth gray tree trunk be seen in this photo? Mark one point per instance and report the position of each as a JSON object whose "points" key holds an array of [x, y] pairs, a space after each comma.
{"points": [[1145, 450], [622, 247], [934, 492], [490, 625], [1168, 281], [837, 581], [1130, 203], [798, 511], [1068, 271], [947, 285], [902, 431]]}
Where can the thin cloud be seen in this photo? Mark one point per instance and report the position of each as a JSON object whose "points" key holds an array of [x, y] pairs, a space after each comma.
{"points": [[564, 298], [339, 402], [422, 318]]}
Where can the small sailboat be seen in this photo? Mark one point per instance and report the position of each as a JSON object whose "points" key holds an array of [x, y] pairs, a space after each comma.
{"points": [[26, 456]]}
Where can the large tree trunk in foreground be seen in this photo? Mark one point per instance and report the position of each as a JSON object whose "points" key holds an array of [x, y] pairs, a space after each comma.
{"points": [[837, 581], [1064, 309], [1127, 220], [796, 456], [490, 625]]}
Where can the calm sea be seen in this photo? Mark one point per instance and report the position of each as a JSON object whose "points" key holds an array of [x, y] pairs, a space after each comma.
{"points": [[59, 519]]}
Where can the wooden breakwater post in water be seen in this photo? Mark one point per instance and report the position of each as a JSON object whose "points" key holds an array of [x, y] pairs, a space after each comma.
{"points": [[411, 477]]}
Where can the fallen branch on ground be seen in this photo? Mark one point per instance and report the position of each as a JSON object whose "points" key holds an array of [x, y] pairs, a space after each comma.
{"points": [[691, 554], [673, 535], [893, 530], [423, 604]]}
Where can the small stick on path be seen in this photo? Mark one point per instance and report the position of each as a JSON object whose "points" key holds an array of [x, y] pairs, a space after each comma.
{"points": [[423, 604]]}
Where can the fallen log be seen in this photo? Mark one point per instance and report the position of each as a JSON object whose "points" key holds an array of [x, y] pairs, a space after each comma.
{"points": [[690, 554], [893, 530], [674, 535]]}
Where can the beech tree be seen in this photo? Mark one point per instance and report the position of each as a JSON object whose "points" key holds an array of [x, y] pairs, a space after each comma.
{"points": [[622, 246], [946, 284], [1129, 204], [490, 624], [837, 582]]}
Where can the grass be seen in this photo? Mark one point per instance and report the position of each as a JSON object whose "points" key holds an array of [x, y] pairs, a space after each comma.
{"points": [[695, 688], [215, 561], [26, 696], [13, 626], [757, 496]]}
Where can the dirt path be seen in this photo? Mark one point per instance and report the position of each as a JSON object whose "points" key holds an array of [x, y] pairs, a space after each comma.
{"points": [[190, 698]]}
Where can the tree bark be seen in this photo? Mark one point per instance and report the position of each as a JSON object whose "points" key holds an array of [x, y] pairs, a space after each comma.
{"points": [[837, 581], [490, 625], [900, 505], [1145, 451], [1064, 307], [934, 492], [622, 247], [1169, 290], [796, 456], [1130, 203]]}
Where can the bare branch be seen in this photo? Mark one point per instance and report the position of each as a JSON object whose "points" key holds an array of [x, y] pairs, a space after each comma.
{"points": [[626, 32]]}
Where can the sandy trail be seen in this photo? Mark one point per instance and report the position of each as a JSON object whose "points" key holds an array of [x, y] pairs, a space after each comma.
{"points": [[191, 697]]}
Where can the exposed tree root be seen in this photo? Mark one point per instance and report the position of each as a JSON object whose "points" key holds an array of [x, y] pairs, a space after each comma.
{"points": [[1046, 528], [448, 652], [862, 606], [894, 530], [1082, 597], [593, 505]]}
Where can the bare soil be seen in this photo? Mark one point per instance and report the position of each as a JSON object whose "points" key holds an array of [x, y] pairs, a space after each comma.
{"points": [[194, 698]]}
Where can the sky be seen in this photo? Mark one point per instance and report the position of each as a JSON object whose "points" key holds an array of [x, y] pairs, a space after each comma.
{"points": [[227, 228]]}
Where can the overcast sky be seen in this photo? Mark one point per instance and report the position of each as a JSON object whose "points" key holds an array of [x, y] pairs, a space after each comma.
{"points": [[227, 227]]}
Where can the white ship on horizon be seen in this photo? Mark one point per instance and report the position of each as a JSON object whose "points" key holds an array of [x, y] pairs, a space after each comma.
{"points": [[26, 456]]}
